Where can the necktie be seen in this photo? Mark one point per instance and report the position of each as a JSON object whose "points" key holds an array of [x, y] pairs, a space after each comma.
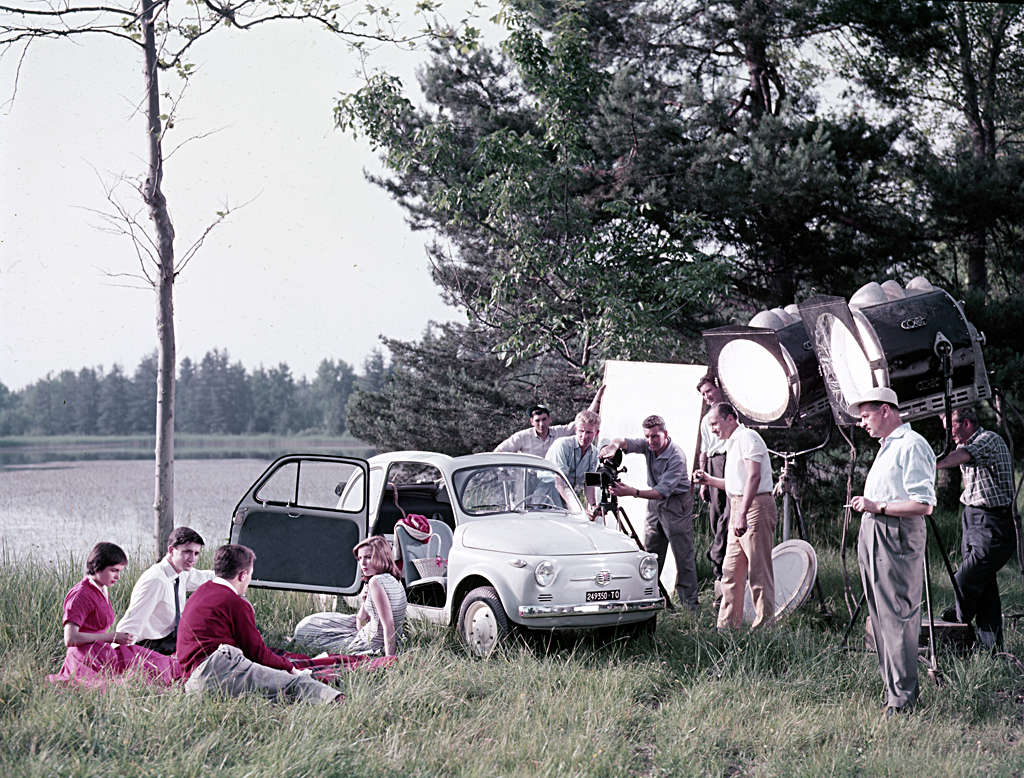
{"points": [[177, 604]]}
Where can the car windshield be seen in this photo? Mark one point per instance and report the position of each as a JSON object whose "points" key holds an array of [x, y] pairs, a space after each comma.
{"points": [[506, 488]]}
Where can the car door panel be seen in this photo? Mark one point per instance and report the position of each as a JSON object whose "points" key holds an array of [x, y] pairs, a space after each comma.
{"points": [[292, 518]]}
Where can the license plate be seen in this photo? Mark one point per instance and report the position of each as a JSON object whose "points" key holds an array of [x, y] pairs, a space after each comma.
{"points": [[607, 594]]}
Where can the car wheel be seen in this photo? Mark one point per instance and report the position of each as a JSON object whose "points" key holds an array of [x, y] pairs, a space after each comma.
{"points": [[483, 625]]}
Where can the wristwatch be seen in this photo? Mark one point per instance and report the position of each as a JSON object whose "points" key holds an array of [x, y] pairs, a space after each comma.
{"points": [[881, 508]]}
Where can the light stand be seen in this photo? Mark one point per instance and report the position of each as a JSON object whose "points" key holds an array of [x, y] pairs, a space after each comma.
{"points": [[791, 504]]}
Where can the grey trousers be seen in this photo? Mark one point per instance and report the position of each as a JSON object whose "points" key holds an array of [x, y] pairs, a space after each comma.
{"points": [[891, 555], [989, 540], [227, 670], [718, 515], [670, 523]]}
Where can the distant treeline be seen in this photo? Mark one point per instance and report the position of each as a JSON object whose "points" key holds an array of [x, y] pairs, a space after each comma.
{"points": [[214, 395]]}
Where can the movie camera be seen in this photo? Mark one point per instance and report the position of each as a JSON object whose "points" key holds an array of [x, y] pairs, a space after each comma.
{"points": [[608, 471]]}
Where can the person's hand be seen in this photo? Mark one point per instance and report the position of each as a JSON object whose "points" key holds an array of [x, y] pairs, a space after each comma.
{"points": [[122, 638], [593, 511], [699, 476], [620, 489], [705, 493], [739, 526], [607, 450], [862, 504]]}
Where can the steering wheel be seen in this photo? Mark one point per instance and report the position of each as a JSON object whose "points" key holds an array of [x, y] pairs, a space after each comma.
{"points": [[526, 502]]}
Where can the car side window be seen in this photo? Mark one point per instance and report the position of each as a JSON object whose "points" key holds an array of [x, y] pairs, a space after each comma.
{"points": [[279, 489], [315, 484]]}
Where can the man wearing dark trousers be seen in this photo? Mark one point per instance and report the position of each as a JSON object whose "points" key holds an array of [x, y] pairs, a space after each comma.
{"points": [[669, 503], [712, 461], [988, 534]]}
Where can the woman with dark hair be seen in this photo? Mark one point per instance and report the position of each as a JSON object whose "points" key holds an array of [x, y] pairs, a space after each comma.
{"points": [[375, 627], [89, 629]]}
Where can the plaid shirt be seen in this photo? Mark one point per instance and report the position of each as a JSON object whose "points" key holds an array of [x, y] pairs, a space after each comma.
{"points": [[988, 477]]}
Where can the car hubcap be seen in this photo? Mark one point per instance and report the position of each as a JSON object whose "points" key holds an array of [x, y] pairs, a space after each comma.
{"points": [[481, 629]]}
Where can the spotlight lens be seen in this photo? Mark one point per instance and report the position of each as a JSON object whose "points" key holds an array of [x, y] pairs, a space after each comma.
{"points": [[853, 371], [754, 380]]}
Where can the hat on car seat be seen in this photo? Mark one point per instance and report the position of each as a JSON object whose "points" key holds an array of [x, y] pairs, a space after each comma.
{"points": [[417, 526]]}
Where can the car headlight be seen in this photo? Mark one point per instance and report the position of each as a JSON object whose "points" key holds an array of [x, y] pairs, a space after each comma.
{"points": [[649, 568], [544, 572]]}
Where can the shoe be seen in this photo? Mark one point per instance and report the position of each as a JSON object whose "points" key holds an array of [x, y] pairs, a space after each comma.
{"points": [[949, 614]]}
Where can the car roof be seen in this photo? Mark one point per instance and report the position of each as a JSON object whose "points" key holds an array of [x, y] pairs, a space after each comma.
{"points": [[449, 463]]}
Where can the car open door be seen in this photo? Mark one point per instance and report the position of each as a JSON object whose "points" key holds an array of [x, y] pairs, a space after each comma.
{"points": [[303, 517]]}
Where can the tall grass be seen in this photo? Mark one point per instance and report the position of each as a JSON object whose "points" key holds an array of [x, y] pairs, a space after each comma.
{"points": [[689, 702]]}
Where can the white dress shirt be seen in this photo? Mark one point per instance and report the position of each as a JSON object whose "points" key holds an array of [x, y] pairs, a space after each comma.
{"points": [[150, 614]]}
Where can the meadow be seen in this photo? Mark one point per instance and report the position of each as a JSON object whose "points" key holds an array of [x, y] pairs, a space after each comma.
{"points": [[689, 701]]}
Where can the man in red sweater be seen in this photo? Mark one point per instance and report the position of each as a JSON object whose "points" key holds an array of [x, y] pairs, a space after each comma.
{"points": [[219, 647]]}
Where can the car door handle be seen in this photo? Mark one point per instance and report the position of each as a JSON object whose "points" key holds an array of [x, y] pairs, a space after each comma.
{"points": [[294, 515]]}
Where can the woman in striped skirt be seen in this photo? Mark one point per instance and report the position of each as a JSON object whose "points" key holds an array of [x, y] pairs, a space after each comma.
{"points": [[376, 626]]}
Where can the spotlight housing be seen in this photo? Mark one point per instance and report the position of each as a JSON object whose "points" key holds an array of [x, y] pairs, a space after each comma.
{"points": [[883, 339], [770, 376]]}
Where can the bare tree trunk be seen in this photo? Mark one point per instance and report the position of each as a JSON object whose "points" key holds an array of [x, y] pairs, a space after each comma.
{"points": [[163, 505]]}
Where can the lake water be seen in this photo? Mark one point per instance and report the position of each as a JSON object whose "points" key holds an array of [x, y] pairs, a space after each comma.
{"points": [[51, 510]]}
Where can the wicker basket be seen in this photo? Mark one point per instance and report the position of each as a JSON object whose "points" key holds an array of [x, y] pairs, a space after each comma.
{"points": [[431, 567]]}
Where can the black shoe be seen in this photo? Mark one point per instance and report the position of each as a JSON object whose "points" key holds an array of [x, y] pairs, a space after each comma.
{"points": [[892, 711], [949, 614]]}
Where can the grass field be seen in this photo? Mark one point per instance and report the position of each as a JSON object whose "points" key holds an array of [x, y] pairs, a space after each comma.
{"points": [[688, 702]]}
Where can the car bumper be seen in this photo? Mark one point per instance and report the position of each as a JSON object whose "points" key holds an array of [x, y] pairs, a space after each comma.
{"points": [[589, 609]]}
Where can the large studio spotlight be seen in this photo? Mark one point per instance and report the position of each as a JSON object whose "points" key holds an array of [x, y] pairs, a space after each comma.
{"points": [[916, 341], [768, 370]]}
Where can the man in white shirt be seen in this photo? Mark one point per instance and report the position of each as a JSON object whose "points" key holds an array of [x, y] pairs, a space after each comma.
{"points": [[898, 493], [753, 516], [158, 597], [538, 437]]}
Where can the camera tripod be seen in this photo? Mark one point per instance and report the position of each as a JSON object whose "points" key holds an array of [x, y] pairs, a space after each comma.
{"points": [[610, 504]]}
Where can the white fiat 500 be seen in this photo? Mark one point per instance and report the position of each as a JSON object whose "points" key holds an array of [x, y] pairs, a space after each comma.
{"points": [[509, 543]]}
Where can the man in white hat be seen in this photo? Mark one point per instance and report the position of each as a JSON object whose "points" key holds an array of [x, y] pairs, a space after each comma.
{"points": [[898, 493]]}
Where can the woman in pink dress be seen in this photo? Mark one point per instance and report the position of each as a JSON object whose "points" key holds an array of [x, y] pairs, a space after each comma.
{"points": [[89, 632]]}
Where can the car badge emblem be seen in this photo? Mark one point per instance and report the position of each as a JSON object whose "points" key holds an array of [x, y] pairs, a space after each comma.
{"points": [[602, 578]]}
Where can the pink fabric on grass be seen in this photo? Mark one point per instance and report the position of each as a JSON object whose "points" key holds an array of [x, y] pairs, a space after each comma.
{"points": [[93, 665]]}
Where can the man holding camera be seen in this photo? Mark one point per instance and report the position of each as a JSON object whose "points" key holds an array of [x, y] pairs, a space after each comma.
{"points": [[989, 537], [576, 456], [669, 502], [898, 493]]}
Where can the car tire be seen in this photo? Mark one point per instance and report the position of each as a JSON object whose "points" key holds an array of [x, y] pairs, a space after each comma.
{"points": [[483, 624]]}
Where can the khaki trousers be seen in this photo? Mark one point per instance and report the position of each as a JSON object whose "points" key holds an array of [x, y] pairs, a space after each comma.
{"points": [[750, 556], [228, 671]]}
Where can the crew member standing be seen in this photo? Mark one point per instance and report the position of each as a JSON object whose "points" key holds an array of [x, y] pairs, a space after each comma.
{"points": [[712, 461], [898, 493], [669, 502], [988, 535], [753, 518]]}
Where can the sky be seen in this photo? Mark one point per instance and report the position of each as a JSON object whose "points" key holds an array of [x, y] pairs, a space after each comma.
{"points": [[316, 264]]}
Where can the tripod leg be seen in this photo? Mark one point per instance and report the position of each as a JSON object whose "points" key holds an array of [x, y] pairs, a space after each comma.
{"points": [[803, 536], [623, 519], [933, 665], [945, 558], [853, 619]]}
